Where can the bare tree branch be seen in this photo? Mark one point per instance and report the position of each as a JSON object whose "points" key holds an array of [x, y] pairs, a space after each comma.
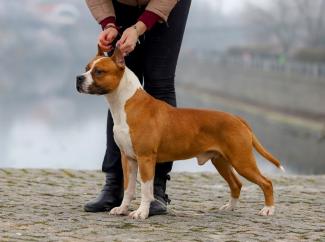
{"points": [[291, 23]]}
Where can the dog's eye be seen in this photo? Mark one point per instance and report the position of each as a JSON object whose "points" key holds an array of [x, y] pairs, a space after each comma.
{"points": [[98, 72], [87, 68]]}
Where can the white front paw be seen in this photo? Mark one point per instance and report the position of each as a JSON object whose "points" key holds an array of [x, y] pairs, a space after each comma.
{"points": [[227, 207], [267, 211], [140, 213], [122, 210], [230, 206]]}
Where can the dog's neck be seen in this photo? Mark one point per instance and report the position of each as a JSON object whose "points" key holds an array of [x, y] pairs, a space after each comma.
{"points": [[127, 87]]}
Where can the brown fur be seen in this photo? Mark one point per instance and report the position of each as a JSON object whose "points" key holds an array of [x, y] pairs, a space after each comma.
{"points": [[162, 133]]}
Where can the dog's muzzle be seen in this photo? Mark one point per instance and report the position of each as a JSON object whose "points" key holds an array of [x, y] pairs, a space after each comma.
{"points": [[79, 81]]}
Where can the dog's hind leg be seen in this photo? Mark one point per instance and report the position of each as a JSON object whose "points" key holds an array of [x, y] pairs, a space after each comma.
{"points": [[248, 169], [226, 171]]}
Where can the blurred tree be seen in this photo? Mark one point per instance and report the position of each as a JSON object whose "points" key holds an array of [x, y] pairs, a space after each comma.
{"points": [[288, 24], [200, 13], [313, 21]]}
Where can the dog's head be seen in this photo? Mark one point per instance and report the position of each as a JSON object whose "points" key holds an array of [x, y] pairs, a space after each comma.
{"points": [[103, 74]]}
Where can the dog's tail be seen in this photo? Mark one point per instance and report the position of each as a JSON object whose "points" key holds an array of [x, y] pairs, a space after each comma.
{"points": [[260, 149]]}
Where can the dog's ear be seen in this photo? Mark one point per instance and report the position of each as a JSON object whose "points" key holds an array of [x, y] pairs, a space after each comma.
{"points": [[100, 52], [118, 57]]}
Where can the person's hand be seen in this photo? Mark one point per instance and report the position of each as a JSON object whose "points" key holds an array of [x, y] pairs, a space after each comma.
{"points": [[130, 37], [106, 37]]}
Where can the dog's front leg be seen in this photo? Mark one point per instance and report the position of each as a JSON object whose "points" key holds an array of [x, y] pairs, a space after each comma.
{"points": [[130, 170], [147, 171]]}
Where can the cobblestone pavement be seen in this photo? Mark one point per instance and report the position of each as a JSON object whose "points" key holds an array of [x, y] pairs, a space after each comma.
{"points": [[46, 205]]}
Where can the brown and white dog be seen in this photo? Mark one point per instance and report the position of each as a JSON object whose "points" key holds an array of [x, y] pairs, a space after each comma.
{"points": [[149, 131]]}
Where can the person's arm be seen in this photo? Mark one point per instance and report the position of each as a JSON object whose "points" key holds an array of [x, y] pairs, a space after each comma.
{"points": [[156, 10], [103, 12], [161, 8]]}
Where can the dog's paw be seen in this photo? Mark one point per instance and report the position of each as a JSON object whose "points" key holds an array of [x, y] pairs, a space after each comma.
{"points": [[227, 207], [122, 210], [230, 206], [140, 213], [267, 211]]}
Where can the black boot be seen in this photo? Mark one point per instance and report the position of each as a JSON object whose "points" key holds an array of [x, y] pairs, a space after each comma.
{"points": [[111, 196], [159, 206]]}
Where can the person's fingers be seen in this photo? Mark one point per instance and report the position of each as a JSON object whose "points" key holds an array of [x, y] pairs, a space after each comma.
{"points": [[105, 48], [117, 44], [110, 48], [123, 42], [127, 42], [101, 45], [127, 50], [103, 40], [110, 36], [127, 46], [123, 39], [124, 48], [104, 37]]}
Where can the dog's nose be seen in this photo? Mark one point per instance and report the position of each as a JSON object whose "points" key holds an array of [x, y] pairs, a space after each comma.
{"points": [[80, 80]]}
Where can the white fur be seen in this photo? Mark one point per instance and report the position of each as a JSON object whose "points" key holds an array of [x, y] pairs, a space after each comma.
{"points": [[231, 205], [130, 190], [146, 198], [267, 211], [282, 169], [128, 85]]}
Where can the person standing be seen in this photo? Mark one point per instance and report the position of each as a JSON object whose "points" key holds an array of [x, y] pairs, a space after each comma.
{"points": [[149, 33]]}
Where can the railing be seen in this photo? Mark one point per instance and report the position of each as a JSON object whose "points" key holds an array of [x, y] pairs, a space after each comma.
{"points": [[307, 69]]}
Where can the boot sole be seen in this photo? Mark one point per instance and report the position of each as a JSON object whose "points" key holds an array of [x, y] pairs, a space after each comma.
{"points": [[96, 210], [157, 213]]}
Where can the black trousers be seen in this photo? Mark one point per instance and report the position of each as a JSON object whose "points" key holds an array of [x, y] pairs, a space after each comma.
{"points": [[154, 62]]}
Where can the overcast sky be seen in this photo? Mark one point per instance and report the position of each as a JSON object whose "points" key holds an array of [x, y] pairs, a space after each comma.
{"points": [[230, 6]]}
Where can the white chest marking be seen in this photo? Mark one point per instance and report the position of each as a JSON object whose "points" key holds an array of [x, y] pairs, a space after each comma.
{"points": [[117, 99]]}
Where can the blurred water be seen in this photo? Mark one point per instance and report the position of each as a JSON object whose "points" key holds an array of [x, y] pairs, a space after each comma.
{"points": [[35, 144]]}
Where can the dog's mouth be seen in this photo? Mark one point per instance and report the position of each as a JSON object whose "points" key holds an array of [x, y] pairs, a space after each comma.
{"points": [[79, 88], [92, 89], [96, 90], [83, 86]]}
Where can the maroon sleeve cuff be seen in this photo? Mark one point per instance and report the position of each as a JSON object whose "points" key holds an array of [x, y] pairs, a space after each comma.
{"points": [[149, 19], [108, 20]]}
